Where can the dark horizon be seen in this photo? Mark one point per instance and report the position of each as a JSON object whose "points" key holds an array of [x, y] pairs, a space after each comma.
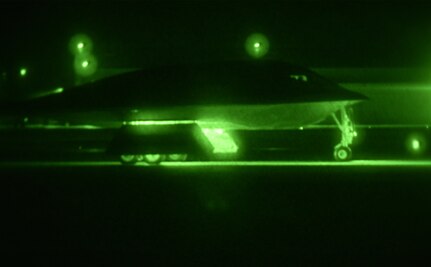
{"points": [[133, 34]]}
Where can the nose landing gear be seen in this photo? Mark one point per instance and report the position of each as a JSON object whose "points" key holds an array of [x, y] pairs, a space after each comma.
{"points": [[342, 151]]}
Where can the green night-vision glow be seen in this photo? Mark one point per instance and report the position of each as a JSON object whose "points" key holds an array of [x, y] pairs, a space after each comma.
{"points": [[59, 90], [85, 65], [80, 43], [80, 46], [23, 72], [257, 45], [363, 163], [416, 144], [166, 122], [219, 139]]}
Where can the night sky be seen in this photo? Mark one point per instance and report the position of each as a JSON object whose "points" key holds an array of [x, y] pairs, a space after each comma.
{"points": [[135, 34], [130, 34]]}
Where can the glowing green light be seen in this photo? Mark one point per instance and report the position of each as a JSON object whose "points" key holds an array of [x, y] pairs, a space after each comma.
{"points": [[56, 127], [219, 131], [85, 64], [167, 122], [356, 163], [221, 141], [59, 90], [80, 43], [23, 72], [205, 164], [257, 45], [416, 145]]}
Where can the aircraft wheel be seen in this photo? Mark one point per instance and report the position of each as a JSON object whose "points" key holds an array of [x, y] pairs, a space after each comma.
{"points": [[177, 157], [342, 153], [139, 157], [128, 159], [154, 158]]}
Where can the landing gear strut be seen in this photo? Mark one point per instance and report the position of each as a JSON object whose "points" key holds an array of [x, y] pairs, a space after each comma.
{"points": [[342, 151]]}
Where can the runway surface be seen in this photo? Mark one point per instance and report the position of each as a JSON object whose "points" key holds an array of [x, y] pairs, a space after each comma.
{"points": [[321, 213], [354, 163]]}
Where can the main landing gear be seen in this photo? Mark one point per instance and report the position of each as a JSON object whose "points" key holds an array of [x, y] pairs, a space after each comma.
{"points": [[342, 151], [152, 159]]}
